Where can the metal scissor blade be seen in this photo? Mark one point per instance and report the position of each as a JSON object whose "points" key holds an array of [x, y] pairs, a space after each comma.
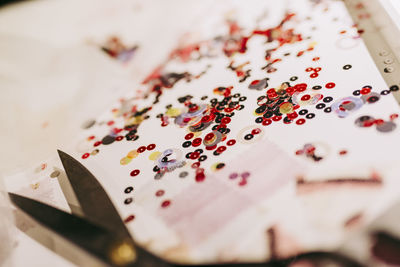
{"points": [[94, 201], [98, 208], [94, 240]]}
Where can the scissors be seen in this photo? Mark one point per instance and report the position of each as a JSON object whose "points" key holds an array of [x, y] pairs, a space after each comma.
{"points": [[101, 233]]}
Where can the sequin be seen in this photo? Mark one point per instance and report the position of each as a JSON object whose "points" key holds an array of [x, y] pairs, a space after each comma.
{"points": [[107, 140], [286, 108], [386, 126], [54, 174], [132, 154], [135, 173], [125, 160]]}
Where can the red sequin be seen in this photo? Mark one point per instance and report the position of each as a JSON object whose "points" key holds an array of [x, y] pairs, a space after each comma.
{"points": [[206, 118], [276, 118], [151, 147], [135, 172], [368, 123], [300, 121], [243, 182], [300, 87], [129, 218], [292, 115], [194, 155], [85, 156], [211, 147], [231, 142], [394, 116], [226, 120], [165, 203], [221, 149], [97, 143], [330, 85], [195, 165], [266, 122], [271, 92], [160, 193], [189, 136], [196, 142], [200, 177], [117, 130], [290, 90], [141, 149], [209, 136], [365, 91], [310, 150]]}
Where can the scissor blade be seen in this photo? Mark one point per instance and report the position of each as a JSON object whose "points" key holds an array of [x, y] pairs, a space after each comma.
{"points": [[99, 209], [94, 201], [94, 240]]}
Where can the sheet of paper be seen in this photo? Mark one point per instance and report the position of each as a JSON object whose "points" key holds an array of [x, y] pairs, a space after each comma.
{"points": [[267, 132]]}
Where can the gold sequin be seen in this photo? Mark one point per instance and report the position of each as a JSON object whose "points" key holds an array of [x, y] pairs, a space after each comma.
{"points": [[125, 160], [286, 108], [35, 186]]}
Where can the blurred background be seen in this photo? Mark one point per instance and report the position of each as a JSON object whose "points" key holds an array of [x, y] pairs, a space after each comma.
{"points": [[63, 59], [62, 63]]}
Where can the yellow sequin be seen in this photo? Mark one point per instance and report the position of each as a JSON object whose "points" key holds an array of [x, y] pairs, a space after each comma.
{"points": [[154, 155], [132, 154], [125, 160], [173, 112], [286, 108]]}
